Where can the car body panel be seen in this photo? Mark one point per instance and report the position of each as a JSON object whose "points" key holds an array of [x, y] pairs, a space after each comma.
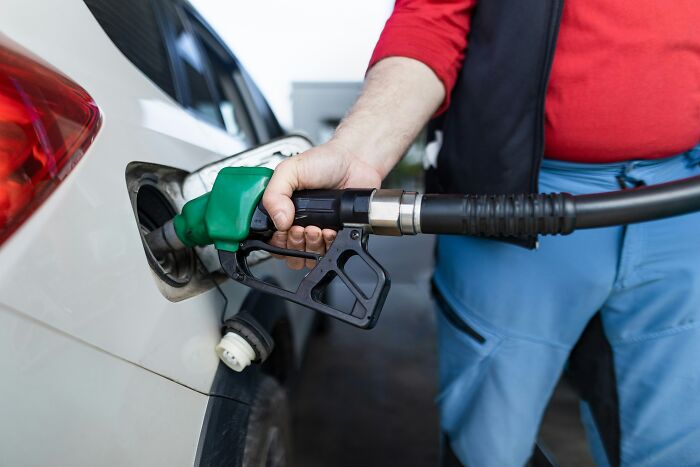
{"points": [[48, 422], [78, 265]]}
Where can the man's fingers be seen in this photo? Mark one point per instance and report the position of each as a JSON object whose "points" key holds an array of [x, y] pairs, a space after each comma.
{"points": [[314, 243], [276, 198], [310, 239], [328, 237], [295, 241], [279, 239]]}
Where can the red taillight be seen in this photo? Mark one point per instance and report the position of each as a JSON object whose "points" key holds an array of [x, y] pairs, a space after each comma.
{"points": [[46, 124]]}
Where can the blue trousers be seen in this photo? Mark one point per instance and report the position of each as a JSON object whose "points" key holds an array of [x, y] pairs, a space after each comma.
{"points": [[511, 316]]}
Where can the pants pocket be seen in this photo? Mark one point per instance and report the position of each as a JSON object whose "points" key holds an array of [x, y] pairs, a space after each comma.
{"points": [[464, 349], [453, 317]]}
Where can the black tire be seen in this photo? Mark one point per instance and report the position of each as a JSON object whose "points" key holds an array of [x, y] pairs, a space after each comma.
{"points": [[268, 439], [322, 325]]}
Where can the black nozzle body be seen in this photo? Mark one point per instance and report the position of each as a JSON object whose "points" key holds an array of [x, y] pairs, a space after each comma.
{"points": [[327, 209]]}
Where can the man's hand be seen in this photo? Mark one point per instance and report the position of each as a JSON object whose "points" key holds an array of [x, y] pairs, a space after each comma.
{"points": [[399, 96], [326, 166]]}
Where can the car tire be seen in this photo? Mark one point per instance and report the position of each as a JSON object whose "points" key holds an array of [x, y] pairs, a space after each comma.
{"points": [[268, 438], [322, 325]]}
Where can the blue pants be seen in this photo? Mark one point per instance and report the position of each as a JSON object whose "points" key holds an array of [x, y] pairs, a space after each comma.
{"points": [[511, 316]]}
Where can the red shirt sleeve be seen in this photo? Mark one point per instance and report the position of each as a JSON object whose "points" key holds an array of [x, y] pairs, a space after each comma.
{"points": [[431, 31]]}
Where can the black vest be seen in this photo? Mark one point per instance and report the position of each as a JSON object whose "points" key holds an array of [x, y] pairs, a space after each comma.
{"points": [[494, 129]]}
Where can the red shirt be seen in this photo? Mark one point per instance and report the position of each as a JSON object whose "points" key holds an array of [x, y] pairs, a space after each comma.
{"points": [[625, 81]]}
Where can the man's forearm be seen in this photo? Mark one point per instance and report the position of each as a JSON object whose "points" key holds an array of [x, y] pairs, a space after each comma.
{"points": [[398, 98]]}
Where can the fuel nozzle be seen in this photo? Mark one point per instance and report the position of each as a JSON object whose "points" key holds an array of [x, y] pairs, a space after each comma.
{"points": [[232, 218]]}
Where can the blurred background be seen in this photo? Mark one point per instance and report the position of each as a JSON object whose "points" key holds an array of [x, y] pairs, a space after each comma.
{"points": [[309, 59], [293, 49], [363, 398]]}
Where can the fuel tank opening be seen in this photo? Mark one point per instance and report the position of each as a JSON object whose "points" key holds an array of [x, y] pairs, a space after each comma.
{"points": [[153, 210]]}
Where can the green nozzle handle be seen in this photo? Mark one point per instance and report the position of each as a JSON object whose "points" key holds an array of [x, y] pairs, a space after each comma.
{"points": [[223, 215]]}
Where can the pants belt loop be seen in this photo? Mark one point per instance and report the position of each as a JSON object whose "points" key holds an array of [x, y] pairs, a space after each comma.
{"points": [[693, 156], [625, 180]]}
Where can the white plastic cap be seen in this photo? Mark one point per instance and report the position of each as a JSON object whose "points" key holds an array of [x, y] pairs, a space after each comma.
{"points": [[235, 351]]}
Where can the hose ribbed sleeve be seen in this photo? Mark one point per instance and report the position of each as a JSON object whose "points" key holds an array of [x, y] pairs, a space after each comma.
{"points": [[498, 215]]}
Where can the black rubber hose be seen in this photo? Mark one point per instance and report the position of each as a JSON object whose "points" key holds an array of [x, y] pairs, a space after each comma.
{"points": [[638, 204], [552, 214]]}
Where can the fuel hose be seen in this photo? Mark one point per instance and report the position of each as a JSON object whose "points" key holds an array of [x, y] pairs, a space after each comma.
{"points": [[554, 214]]}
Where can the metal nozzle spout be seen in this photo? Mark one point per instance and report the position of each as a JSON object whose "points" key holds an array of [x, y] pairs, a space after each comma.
{"points": [[164, 240]]}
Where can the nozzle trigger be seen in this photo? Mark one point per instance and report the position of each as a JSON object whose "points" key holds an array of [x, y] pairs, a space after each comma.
{"points": [[312, 290]]}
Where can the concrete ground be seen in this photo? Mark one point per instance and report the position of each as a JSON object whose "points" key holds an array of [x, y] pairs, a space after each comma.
{"points": [[365, 398]]}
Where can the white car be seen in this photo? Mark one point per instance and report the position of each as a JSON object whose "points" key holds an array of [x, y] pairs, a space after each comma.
{"points": [[112, 115]]}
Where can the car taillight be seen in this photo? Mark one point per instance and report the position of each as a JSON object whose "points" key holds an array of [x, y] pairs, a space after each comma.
{"points": [[46, 124]]}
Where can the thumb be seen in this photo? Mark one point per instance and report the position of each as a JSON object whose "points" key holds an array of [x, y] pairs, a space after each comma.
{"points": [[277, 197]]}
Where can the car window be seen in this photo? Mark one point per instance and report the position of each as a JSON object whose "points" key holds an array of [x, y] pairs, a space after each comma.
{"points": [[176, 51], [133, 27], [193, 68], [237, 120], [271, 126]]}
